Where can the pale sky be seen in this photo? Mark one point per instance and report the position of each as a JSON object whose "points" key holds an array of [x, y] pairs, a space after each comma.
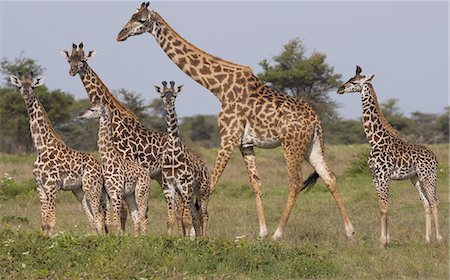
{"points": [[405, 44]]}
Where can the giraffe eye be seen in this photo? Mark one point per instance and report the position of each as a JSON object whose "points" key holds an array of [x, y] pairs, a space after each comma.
{"points": [[142, 20]]}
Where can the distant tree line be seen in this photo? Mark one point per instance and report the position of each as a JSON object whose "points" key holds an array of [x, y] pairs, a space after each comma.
{"points": [[291, 72]]}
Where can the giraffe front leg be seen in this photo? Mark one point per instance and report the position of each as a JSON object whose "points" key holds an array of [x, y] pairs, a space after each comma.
{"points": [[169, 195], [44, 207], [142, 196], [292, 155], [382, 187], [250, 162], [49, 226], [187, 199], [132, 205], [79, 194], [227, 145]]}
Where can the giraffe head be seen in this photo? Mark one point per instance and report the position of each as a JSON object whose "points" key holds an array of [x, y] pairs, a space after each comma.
{"points": [[355, 84], [77, 59], [168, 93], [141, 21], [96, 111], [26, 84]]}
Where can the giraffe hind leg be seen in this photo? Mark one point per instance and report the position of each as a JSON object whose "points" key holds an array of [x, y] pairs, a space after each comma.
{"points": [[316, 159]]}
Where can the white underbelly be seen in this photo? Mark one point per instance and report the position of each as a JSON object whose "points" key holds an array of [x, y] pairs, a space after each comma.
{"points": [[252, 139]]}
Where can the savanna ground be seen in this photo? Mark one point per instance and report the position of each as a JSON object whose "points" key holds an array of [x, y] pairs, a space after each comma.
{"points": [[314, 244]]}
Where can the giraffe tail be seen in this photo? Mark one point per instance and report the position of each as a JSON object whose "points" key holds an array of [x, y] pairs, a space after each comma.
{"points": [[310, 182]]}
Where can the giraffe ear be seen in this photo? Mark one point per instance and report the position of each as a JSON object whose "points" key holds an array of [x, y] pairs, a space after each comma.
{"points": [[179, 88], [65, 54], [15, 81], [90, 54], [158, 89], [38, 81], [369, 77]]}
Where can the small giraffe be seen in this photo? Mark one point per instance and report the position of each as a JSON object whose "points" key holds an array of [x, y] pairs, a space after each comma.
{"points": [[58, 167], [252, 115], [392, 158], [182, 172], [124, 179], [133, 141]]}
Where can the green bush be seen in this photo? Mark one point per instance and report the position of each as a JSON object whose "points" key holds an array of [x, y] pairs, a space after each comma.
{"points": [[9, 188], [359, 165]]}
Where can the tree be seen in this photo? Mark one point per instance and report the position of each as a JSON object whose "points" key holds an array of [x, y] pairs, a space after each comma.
{"points": [[201, 129], [20, 64], [309, 77]]}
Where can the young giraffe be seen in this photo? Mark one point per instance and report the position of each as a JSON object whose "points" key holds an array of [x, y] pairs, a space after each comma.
{"points": [[182, 171], [124, 179], [252, 115], [133, 141], [58, 167], [392, 158]]}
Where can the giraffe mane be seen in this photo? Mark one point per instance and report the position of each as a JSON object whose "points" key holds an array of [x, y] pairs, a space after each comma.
{"points": [[215, 58], [383, 120], [113, 100]]}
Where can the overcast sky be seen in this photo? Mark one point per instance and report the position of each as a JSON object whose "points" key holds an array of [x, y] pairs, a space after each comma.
{"points": [[404, 43]]}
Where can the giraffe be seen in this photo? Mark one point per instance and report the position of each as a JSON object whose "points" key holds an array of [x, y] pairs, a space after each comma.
{"points": [[182, 171], [392, 158], [57, 166], [252, 115], [133, 141], [124, 179]]}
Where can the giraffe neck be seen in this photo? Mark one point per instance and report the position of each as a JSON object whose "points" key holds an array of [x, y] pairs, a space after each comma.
{"points": [[172, 123], [375, 124], [42, 131], [96, 89], [211, 72], [105, 136]]}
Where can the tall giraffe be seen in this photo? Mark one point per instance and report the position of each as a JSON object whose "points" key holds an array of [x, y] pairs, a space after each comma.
{"points": [[58, 167], [392, 158], [182, 171], [252, 115], [124, 179]]}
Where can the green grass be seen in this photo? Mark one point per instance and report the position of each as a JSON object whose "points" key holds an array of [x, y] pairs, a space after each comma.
{"points": [[314, 244]]}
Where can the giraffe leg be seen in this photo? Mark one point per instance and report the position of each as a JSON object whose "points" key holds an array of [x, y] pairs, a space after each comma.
{"points": [[51, 211], [132, 205], [44, 207], [93, 190], [416, 182], [428, 181], [226, 148], [79, 194], [186, 189], [316, 159], [292, 155], [123, 215], [204, 201], [179, 213], [142, 196], [382, 187], [250, 162], [169, 195]]}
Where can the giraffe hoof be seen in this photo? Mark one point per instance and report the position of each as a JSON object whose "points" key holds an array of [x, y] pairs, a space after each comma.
{"points": [[350, 232], [277, 235]]}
